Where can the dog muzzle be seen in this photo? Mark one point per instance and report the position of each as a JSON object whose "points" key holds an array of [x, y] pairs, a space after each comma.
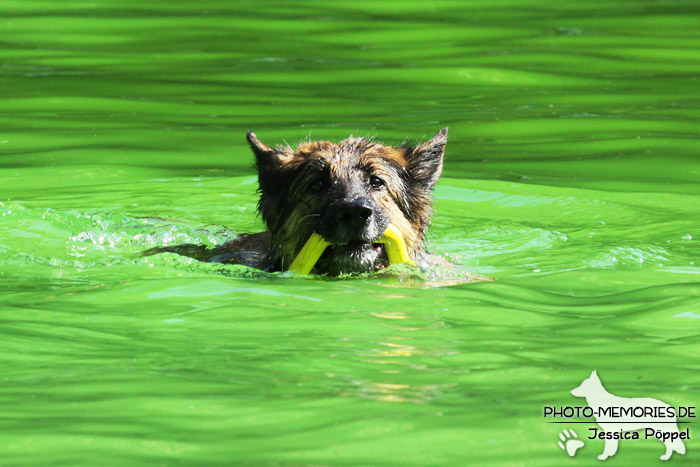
{"points": [[315, 246]]}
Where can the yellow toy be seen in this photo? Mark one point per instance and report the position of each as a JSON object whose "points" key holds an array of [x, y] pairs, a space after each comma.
{"points": [[315, 246]]}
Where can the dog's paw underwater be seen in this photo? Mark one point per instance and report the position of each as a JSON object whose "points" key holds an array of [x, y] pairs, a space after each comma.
{"points": [[346, 197]]}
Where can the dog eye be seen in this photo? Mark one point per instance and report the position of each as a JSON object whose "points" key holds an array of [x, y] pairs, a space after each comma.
{"points": [[317, 186], [376, 182]]}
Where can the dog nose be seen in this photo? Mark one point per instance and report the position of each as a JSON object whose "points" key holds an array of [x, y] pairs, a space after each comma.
{"points": [[354, 213]]}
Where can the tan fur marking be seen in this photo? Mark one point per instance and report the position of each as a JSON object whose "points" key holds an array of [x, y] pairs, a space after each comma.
{"points": [[395, 154]]}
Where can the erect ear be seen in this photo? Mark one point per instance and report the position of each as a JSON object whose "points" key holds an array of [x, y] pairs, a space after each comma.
{"points": [[267, 158], [425, 160]]}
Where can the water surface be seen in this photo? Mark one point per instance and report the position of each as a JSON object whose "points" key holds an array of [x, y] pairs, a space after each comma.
{"points": [[571, 176]]}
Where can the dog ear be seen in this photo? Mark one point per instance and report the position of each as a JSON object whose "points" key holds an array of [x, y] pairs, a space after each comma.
{"points": [[273, 178], [266, 158], [425, 160]]}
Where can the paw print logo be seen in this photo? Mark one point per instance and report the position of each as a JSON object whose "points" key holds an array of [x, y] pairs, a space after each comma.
{"points": [[569, 442]]}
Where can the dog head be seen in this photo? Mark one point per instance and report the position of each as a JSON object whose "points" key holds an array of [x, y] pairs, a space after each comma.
{"points": [[348, 193]]}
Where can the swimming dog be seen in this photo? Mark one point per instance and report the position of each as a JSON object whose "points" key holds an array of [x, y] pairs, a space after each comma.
{"points": [[347, 192]]}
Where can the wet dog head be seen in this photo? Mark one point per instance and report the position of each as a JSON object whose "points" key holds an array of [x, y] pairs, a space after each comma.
{"points": [[348, 193]]}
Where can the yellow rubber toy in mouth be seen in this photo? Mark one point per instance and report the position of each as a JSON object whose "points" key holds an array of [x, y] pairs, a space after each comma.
{"points": [[315, 246], [395, 246], [309, 254]]}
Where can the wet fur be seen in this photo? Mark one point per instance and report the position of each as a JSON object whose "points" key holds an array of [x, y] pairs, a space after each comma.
{"points": [[332, 189]]}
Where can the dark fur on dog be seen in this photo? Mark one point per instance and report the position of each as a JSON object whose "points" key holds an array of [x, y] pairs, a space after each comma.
{"points": [[347, 192]]}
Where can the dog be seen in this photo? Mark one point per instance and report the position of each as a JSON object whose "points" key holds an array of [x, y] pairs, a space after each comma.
{"points": [[347, 192], [604, 406]]}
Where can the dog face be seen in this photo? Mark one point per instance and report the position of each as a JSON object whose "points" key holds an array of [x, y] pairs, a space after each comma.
{"points": [[348, 193]]}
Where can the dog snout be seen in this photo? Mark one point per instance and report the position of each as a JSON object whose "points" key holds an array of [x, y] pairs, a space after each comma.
{"points": [[354, 214]]}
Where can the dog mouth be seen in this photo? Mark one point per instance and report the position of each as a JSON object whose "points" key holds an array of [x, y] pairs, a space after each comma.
{"points": [[360, 245], [353, 257], [355, 248]]}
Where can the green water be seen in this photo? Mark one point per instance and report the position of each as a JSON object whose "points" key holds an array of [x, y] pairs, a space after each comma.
{"points": [[572, 176]]}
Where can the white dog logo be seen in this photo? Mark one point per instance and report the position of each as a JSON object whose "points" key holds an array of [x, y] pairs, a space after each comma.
{"points": [[598, 398]]}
